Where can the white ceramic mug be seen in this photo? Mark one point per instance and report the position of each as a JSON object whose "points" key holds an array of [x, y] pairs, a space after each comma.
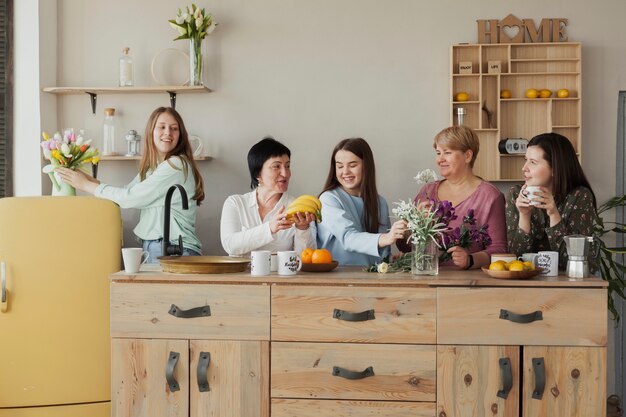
{"points": [[549, 261], [506, 257], [531, 193], [530, 257], [289, 263], [260, 264], [274, 263], [133, 258]]}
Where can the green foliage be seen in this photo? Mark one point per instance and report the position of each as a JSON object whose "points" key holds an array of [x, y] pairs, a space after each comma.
{"points": [[610, 260]]}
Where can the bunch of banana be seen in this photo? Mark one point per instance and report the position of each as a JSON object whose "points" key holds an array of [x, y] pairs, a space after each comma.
{"points": [[305, 204]]}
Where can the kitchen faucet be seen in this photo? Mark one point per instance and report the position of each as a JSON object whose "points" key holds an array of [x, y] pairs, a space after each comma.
{"points": [[174, 250]]}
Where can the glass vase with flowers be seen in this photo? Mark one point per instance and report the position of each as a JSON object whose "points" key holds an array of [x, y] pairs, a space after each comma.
{"points": [[69, 151], [195, 24]]}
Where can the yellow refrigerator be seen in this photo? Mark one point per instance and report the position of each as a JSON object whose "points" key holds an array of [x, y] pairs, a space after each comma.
{"points": [[56, 254]]}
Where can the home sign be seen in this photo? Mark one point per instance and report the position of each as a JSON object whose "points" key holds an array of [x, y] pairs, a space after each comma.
{"points": [[514, 30]]}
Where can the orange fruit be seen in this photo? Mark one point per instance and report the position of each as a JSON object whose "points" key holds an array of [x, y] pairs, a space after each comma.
{"points": [[307, 255], [545, 93], [505, 94], [462, 96], [562, 93], [322, 256], [532, 93]]}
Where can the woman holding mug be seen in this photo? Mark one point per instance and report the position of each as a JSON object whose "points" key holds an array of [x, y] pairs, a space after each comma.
{"points": [[257, 220], [561, 203]]}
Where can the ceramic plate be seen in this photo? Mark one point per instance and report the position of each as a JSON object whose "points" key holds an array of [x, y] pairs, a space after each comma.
{"points": [[512, 274], [170, 67], [203, 264], [319, 267]]}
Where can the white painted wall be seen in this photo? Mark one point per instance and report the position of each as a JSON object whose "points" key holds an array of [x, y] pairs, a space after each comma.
{"points": [[307, 72]]}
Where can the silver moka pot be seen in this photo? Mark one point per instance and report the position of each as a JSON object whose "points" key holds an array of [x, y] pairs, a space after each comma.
{"points": [[578, 249]]}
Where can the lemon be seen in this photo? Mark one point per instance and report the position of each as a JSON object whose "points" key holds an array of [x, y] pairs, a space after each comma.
{"points": [[532, 93], [462, 96], [505, 94], [562, 93], [529, 266], [545, 93], [497, 266], [516, 265]]}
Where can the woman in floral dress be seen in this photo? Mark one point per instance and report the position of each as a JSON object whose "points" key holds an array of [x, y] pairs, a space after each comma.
{"points": [[565, 205]]}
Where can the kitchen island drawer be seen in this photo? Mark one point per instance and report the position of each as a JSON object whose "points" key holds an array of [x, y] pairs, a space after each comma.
{"points": [[333, 408], [534, 316], [191, 311], [353, 371], [354, 314]]}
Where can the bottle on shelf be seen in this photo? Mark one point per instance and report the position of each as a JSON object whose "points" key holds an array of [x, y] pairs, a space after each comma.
{"points": [[108, 133], [126, 69]]}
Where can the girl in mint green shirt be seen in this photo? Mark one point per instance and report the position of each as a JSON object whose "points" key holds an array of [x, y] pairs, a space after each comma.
{"points": [[167, 160]]}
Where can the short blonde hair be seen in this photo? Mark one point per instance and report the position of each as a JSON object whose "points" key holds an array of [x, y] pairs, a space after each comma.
{"points": [[459, 138]]}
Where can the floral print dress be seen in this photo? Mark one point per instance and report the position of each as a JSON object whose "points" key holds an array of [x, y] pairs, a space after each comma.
{"points": [[577, 217]]}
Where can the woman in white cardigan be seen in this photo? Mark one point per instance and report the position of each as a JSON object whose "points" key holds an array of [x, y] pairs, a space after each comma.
{"points": [[257, 220]]}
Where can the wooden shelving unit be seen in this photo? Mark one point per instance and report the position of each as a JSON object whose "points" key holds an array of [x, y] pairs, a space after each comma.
{"points": [[551, 66], [93, 92]]}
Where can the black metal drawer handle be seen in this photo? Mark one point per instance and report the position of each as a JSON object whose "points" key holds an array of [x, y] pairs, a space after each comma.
{"points": [[203, 311], [539, 369], [169, 371], [201, 371], [521, 318], [507, 378], [344, 373], [347, 316]]}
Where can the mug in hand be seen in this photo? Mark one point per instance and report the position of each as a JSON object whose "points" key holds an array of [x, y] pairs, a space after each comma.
{"points": [[532, 192], [133, 258]]}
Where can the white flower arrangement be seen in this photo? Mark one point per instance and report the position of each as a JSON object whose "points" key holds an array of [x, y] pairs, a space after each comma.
{"points": [[425, 176]]}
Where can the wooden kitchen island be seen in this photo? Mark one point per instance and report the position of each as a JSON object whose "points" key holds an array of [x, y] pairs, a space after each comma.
{"points": [[350, 343]]}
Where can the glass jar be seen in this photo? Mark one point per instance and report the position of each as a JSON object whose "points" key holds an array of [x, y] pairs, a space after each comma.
{"points": [[126, 69], [108, 133]]}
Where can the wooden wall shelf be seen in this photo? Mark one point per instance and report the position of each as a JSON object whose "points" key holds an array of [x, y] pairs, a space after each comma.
{"points": [[93, 92], [552, 66]]}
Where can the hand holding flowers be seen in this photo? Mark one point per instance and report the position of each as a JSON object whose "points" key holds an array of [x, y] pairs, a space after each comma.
{"points": [[69, 151]]}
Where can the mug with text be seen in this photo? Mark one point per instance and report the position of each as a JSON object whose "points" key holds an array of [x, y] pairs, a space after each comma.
{"points": [[260, 262], [549, 261], [133, 258], [289, 263]]}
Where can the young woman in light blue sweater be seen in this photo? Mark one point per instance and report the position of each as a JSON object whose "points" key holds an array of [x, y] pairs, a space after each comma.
{"points": [[355, 225], [167, 160]]}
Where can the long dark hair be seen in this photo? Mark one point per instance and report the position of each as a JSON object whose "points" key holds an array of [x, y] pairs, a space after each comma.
{"points": [[150, 158], [368, 191], [567, 174]]}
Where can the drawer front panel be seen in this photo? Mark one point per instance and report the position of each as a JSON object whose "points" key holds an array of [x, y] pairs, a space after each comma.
{"points": [[334, 408], [238, 312], [509, 316], [328, 314], [320, 371]]}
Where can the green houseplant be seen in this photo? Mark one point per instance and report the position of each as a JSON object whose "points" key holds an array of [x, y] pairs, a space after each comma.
{"points": [[610, 262]]}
